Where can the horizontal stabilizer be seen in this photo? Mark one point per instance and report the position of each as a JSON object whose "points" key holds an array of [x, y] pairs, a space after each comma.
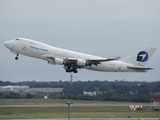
{"points": [[139, 68]]}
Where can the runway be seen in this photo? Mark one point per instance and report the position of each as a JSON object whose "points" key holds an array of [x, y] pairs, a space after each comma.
{"points": [[93, 119], [74, 104]]}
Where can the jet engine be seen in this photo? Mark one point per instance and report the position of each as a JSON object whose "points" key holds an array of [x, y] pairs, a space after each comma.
{"points": [[81, 62], [56, 61]]}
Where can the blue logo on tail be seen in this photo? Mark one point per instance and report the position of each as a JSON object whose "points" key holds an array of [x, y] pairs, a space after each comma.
{"points": [[142, 56]]}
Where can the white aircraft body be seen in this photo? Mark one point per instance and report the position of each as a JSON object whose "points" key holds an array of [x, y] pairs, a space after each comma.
{"points": [[72, 60]]}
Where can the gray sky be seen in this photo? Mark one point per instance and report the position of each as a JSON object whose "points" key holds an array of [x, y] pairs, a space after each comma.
{"points": [[106, 28]]}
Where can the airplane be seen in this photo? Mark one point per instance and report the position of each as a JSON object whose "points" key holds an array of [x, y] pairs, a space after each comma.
{"points": [[72, 60]]}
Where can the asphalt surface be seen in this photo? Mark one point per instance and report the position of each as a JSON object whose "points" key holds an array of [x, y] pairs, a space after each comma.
{"points": [[93, 119], [74, 104]]}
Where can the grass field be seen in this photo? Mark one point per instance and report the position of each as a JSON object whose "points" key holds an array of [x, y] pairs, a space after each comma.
{"points": [[94, 109]]}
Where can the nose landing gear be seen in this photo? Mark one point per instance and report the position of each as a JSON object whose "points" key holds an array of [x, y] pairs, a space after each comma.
{"points": [[16, 58]]}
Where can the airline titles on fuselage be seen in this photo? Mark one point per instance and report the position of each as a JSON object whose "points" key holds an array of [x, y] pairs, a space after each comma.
{"points": [[33, 47]]}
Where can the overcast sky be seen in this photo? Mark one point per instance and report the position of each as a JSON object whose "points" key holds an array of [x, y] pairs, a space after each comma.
{"points": [[106, 28]]}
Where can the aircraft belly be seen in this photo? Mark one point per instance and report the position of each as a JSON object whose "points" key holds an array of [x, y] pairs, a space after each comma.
{"points": [[103, 67], [111, 67]]}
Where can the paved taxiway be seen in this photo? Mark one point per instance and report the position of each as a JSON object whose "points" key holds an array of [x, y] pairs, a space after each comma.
{"points": [[74, 104], [93, 119]]}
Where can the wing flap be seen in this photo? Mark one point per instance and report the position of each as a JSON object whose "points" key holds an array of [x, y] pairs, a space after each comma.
{"points": [[98, 61], [103, 60]]}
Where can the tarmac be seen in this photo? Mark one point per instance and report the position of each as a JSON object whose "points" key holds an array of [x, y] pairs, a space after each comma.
{"points": [[90, 119]]}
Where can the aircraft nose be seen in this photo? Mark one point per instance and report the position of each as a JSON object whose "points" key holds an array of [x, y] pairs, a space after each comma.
{"points": [[8, 44]]}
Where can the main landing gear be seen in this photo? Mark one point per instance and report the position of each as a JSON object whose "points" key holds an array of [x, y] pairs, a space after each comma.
{"points": [[70, 69], [16, 58]]}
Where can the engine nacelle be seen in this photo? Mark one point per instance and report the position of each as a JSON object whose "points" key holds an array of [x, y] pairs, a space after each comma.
{"points": [[56, 61], [81, 62]]}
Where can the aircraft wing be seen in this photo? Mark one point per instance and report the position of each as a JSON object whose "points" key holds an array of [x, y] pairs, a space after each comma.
{"points": [[78, 62], [72, 64], [98, 61]]}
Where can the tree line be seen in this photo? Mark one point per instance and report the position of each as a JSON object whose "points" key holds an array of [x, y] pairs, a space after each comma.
{"points": [[134, 91]]}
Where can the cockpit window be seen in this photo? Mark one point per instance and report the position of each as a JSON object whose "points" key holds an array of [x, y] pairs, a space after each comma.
{"points": [[17, 39]]}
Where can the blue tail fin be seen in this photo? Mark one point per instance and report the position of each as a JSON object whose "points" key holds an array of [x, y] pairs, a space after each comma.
{"points": [[140, 58]]}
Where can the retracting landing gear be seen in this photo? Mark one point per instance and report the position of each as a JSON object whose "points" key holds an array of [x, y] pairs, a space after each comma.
{"points": [[16, 58]]}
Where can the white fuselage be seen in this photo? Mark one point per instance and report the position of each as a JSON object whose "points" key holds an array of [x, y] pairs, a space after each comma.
{"points": [[40, 50]]}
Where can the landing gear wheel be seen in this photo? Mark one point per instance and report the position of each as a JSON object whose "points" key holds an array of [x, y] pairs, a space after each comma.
{"points": [[74, 70], [70, 69], [16, 58]]}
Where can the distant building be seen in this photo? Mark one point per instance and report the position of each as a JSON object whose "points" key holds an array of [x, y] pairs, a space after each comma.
{"points": [[4, 89], [38, 91], [11, 87], [26, 90], [89, 93]]}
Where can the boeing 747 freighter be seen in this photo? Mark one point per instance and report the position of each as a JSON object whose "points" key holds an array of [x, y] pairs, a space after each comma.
{"points": [[72, 60]]}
